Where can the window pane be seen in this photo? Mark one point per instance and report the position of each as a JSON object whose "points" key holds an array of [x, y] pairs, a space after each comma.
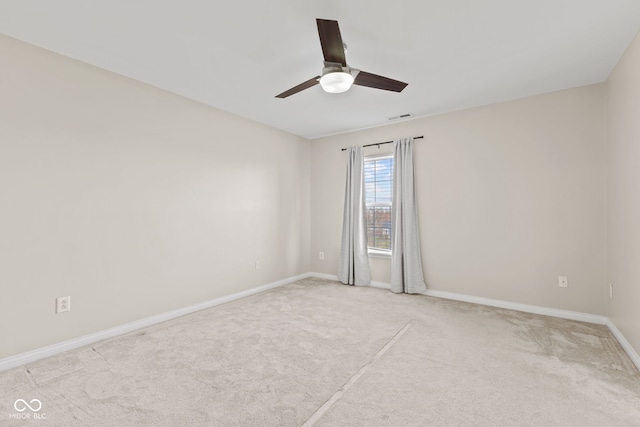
{"points": [[378, 190], [383, 169], [382, 238], [370, 192], [382, 217], [383, 192]]}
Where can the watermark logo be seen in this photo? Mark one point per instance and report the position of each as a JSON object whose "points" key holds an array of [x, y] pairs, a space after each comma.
{"points": [[34, 406], [21, 405]]}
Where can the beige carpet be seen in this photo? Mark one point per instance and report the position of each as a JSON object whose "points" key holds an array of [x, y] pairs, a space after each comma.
{"points": [[318, 352]]}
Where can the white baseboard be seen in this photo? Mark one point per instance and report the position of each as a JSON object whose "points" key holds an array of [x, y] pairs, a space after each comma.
{"points": [[380, 285], [334, 277], [633, 355], [324, 276], [41, 353], [554, 312], [545, 311]]}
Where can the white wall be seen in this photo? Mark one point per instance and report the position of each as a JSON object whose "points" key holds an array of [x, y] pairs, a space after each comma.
{"points": [[132, 200], [623, 191], [511, 196]]}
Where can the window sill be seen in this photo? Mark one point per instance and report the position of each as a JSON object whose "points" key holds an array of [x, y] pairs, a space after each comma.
{"points": [[373, 253]]}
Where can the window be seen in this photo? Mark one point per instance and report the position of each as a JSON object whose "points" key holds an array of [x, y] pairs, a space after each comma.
{"points": [[378, 178]]}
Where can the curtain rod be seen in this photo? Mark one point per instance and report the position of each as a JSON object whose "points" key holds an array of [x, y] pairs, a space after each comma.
{"points": [[386, 142]]}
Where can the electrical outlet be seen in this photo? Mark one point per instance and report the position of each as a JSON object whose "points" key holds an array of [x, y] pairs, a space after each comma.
{"points": [[257, 265], [63, 304], [610, 290], [563, 282], [321, 255]]}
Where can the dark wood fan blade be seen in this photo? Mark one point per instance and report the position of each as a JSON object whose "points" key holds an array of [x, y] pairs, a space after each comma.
{"points": [[378, 82], [302, 86], [331, 41]]}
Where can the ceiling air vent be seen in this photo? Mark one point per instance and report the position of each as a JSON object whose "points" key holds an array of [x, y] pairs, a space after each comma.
{"points": [[401, 116]]}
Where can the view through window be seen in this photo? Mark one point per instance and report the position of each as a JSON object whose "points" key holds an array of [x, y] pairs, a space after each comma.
{"points": [[378, 178]]}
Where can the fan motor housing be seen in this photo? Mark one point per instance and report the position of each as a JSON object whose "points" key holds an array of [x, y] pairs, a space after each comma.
{"points": [[333, 67]]}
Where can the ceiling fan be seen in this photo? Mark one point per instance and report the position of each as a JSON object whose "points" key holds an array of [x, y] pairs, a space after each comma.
{"points": [[337, 76]]}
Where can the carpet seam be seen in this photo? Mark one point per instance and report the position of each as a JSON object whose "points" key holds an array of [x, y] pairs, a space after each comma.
{"points": [[355, 377]]}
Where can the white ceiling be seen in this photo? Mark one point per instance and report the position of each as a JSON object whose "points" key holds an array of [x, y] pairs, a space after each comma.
{"points": [[238, 55]]}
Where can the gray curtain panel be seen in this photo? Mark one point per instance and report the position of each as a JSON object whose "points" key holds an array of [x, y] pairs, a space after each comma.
{"points": [[406, 262], [353, 265]]}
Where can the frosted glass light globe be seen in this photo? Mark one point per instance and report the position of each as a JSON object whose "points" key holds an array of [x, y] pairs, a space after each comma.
{"points": [[336, 82]]}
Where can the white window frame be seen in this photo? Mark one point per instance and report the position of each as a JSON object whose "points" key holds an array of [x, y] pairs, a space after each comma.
{"points": [[377, 252]]}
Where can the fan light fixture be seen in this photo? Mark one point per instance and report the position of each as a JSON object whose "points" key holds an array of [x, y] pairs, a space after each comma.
{"points": [[336, 82], [337, 75]]}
